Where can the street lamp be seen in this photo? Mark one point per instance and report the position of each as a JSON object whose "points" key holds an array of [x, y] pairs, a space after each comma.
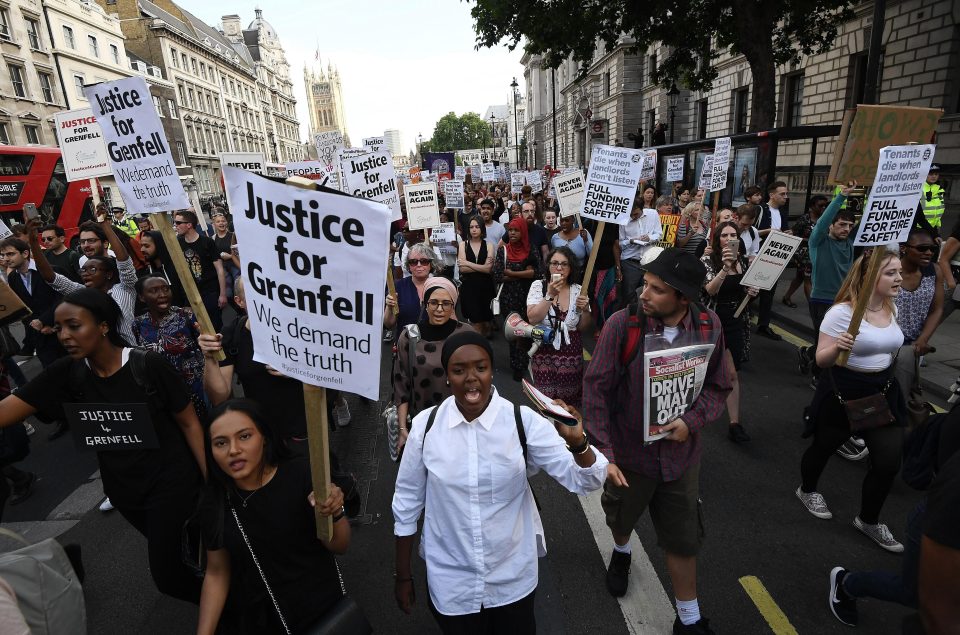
{"points": [[419, 149], [674, 95], [516, 127], [493, 137], [534, 153]]}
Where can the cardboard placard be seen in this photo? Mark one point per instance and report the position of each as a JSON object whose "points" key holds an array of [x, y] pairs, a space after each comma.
{"points": [[374, 144], [137, 148], [770, 263], [675, 169], [668, 224], [443, 234], [111, 427], [706, 173], [453, 194], [612, 183], [12, 307], [459, 172], [897, 188], [372, 176], [720, 164], [649, 170], [422, 206], [313, 170], [517, 181], [487, 172], [315, 318], [328, 144], [867, 129], [82, 146], [5, 232], [475, 173], [568, 189], [255, 162], [535, 181]]}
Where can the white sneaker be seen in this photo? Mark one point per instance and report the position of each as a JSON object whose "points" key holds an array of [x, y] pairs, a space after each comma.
{"points": [[815, 504], [341, 414], [30, 429], [880, 534], [853, 449], [106, 505]]}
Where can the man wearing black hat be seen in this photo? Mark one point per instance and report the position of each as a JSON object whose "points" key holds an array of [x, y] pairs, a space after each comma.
{"points": [[127, 225], [664, 475]]}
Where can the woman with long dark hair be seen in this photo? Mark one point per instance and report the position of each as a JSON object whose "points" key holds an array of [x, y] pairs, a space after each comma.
{"points": [[476, 283], [160, 264], [515, 267], [258, 500], [154, 487]]}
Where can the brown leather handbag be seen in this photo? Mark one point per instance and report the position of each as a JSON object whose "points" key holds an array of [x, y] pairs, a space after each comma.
{"points": [[867, 413]]}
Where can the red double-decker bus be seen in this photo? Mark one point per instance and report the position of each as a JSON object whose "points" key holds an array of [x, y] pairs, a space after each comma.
{"points": [[35, 174]]}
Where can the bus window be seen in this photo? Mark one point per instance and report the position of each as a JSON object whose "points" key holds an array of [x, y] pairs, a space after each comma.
{"points": [[15, 164], [56, 192]]}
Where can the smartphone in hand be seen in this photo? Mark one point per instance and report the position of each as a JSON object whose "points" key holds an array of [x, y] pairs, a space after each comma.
{"points": [[30, 211]]}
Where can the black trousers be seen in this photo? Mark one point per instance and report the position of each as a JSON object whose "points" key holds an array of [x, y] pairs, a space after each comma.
{"points": [[161, 523], [516, 618], [765, 302]]}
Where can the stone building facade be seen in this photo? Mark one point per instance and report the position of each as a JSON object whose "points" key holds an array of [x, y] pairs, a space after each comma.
{"points": [[325, 101]]}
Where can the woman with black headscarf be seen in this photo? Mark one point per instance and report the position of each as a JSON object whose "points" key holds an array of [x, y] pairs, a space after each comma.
{"points": [[418, 380]]}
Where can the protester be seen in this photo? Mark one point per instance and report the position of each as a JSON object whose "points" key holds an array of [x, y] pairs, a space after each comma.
{"points": [[255, 543], [154, 489], [555, 302], [476, 281], [746, 215], [551, 223], [225, 240], [494, 230], [14, 447], [868, 371], [65, 261], [205, 263], [725, 267], [410, 237], [515, 266], [421, 262], [447, 252], [159, 263], [949, 263], [801, 259], [664, 475], [937, 589], [682, 199], [648, 196], [770, 218], [93, 240], [145, 226], [692, 230], [642, 230], [485, 585], [417, 375], [535, 232], [172, 332], [578, 240], [116, 277], [607, 273]]}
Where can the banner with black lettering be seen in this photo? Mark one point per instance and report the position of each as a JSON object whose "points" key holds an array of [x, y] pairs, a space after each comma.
{"points": [[673, 380], [139, 153], [897, 187], [612, 183], [373, 177], [314, 280]]}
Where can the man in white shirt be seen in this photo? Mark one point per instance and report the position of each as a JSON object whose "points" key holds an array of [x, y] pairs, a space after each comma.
{"points": [[495, 230], [770, 219], [636, 236]]}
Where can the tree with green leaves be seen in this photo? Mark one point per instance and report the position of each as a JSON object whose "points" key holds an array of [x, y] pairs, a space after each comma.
{"points": [[768, 34], [464, 132]]}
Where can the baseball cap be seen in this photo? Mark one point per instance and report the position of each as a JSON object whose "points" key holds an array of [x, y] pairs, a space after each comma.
{"points": [[682, 271]]}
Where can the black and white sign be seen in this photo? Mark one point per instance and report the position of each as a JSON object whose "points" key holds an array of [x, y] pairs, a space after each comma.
{"points": [[487, 172], [649, 171], [706, 173], [897, 187], [372, 176], [772, 260], [517, 181], [721, 162], [328, 144], [422, 206], [374, 144], [675, 169], [314, 280], [568, 188], [81, 145], [104, 427], [612, 183], [255, 162], [453, 193]]}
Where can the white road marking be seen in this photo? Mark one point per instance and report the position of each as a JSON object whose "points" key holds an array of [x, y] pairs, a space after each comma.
{"points": [[646, 608]]}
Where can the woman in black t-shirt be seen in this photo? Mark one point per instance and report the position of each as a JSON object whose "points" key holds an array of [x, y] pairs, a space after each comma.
{"points": [[260, 501], [154, 488]]}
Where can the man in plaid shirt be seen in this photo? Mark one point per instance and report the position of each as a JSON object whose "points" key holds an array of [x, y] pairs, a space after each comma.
{"points": [[663, 475]]}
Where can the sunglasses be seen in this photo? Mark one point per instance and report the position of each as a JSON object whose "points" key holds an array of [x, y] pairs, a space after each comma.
{"points": [[422, 262], [181, 222], [47, 239]]}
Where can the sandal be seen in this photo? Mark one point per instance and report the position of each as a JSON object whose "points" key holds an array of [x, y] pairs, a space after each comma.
{"points": [[788, 302]]}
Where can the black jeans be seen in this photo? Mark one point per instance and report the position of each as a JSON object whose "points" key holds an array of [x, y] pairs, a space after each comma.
{"points": [[817, 311], [211, 301], [516, 618], [766, 307]]}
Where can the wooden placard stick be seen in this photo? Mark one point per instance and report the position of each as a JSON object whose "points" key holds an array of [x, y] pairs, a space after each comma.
{"points": [[161, 222], [863, 297], [392, 285], [592, 260], [743, 305], [318, 428]]}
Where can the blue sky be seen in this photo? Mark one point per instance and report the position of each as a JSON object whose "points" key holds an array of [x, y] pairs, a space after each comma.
{"points": [[402, 64]]}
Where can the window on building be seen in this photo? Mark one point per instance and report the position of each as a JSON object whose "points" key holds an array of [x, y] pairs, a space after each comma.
{"points": [[203, 70], [78, 85], [857, 77], [193, 66], [182, 153], [33, 134], [93, 45], [606, 84], [33, 33], [68, 38], [702, 119], [793, 100], [183, 61], [209, 103], [156, 103], [5, 31], [741, 101], [46, 86], [651, 122], [4, 133], [172, 107], [16, 77], [173, 58], [190, 98], [652, 68], [181, 91], [115, 54]]}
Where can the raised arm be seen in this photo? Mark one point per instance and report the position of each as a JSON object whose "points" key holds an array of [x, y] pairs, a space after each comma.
{"points": [[43, 266]]}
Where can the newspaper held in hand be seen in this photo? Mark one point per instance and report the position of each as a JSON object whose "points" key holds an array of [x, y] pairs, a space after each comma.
{"points": [[546, 407], [673, 380]]}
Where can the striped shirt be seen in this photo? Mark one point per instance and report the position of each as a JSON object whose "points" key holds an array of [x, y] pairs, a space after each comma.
{"points": [[613, 401], [123, 293]]}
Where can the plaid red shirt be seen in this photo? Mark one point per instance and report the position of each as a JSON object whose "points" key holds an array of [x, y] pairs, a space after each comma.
{"points": [[613, 400]]}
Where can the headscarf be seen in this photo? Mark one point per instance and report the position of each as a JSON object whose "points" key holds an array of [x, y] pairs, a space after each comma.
{"points": [[522, 252], [461, 339], [428, 331]]}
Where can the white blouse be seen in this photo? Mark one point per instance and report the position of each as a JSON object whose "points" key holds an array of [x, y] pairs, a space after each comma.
{"points": [[482, 533], [535, 296]]}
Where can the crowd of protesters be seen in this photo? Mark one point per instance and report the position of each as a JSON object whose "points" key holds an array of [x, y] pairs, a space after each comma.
{"points": [[113, 326]]}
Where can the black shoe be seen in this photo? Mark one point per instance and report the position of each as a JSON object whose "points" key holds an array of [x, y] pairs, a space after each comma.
{"points": [[803, 359], [22, 491], [62, 428], [737, 434], [843, 607], [617, 574], [699, 628], [767, 332]]}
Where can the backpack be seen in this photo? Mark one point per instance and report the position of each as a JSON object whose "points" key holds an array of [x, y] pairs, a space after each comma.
{"points": [[138, 367], [636, 324]]}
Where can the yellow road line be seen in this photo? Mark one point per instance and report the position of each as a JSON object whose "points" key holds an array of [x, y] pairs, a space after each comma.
{"points": [[775, 618]]}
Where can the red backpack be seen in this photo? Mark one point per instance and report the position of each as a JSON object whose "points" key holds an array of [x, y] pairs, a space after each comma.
{"points": [[636, 323]]}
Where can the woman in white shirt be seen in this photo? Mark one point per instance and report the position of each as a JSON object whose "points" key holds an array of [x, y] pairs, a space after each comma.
{"points": [[555, 303], [465, 468], [869, 371]]}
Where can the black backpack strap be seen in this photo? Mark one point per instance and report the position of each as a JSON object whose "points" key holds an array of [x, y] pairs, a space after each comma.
{"points": [[138, 368], [430, 420], [520, 431]]}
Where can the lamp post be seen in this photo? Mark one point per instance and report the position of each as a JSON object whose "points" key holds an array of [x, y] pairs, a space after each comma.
{"points": [[493, 137], [674, 95], [533, 154], [419, 149], [516, 127]]}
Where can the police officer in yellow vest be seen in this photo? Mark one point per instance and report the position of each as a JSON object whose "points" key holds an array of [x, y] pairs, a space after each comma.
{"points": [[124, 223], [933, 198]]}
